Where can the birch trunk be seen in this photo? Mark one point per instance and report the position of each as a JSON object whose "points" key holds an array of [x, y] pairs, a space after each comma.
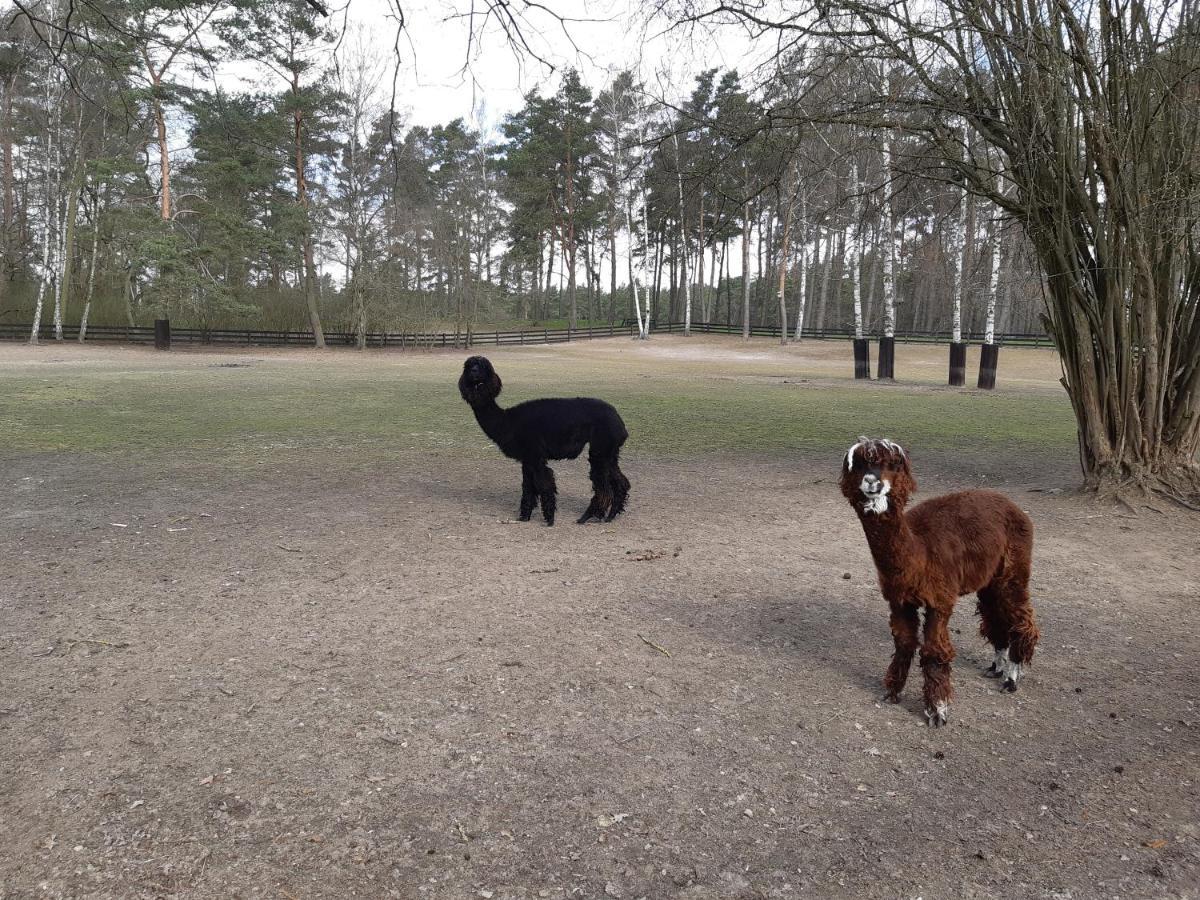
{"points": [[989, 329], [47, 220], [889, 240], [855, 257], [960, 272], [60, 264]]}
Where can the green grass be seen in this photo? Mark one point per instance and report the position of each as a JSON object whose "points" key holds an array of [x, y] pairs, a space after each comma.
{"points": [[368, 409]]}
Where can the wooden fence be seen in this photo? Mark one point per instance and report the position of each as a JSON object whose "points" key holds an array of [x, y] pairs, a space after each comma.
{"points": [[846, 334], [136, 334]]}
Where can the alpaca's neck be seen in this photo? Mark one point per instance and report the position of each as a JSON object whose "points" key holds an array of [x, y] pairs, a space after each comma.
{"points": [[897, 550], [494, 422]]}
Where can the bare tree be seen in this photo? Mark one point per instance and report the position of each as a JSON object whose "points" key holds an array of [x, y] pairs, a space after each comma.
{"points": [[1090, 109]]}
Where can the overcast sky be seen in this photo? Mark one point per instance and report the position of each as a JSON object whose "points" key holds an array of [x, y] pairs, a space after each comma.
{"points": [[443, 77]]}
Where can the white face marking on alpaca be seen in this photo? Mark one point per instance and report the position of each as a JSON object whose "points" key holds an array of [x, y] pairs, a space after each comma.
{"points": [[876, 491]]}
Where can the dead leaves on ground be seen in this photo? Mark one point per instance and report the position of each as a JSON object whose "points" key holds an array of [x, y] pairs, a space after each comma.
{"points": [[647, 555]]}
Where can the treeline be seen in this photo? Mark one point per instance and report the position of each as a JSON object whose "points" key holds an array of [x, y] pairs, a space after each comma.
{"points": [[138, 182]]}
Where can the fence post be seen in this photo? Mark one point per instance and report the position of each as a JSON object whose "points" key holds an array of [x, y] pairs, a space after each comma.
{"points": [[162, 334]]}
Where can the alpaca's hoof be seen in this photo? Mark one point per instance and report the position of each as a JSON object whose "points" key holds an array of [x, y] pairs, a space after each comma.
{"points": [[891, 697], [587, 517], [1009, 685], [938, 716], [550, 522], [524, 517]]}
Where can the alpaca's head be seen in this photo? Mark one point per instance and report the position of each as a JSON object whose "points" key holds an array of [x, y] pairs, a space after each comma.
{"points": [[875, 474], [479, 381]]}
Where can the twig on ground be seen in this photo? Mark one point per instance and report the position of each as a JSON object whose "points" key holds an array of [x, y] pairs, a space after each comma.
{"points": [[663, 650], [116, 645]]}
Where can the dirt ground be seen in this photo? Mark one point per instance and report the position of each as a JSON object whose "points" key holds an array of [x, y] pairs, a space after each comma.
{"points": [[326, 677]]}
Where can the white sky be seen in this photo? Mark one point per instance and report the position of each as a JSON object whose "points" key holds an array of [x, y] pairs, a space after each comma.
{"points": [[439, 81]]}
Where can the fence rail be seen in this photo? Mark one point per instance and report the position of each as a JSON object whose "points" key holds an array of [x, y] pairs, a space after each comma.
{"points": [[846, 334], [138, 334]]}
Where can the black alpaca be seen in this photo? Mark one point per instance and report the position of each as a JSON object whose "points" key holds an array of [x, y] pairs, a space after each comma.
{"points": [[539, 430]]}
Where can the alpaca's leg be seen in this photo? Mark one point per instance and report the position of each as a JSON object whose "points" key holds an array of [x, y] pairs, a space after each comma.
{"points": [[602, 497], [528, 491], [546, 491], [936, 655], [1022, 632], [904, 633], [994, 626], [619, 485]]}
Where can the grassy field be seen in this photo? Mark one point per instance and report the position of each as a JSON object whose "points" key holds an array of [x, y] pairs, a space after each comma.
{"points": [[680, 399]]}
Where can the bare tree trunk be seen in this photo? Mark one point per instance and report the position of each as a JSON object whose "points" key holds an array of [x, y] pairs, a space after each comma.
{"points": [[786, 199], [746, 271], [612, 255], [683, 243], [91, 284], [960, 271], [989, 329], [7, 211], [47, 221], [700, 292], [855, 257], [889, 245], [164, 158], [310, 266], [827, 278], [646, 229], [63, 296], [569, 245], [802, 296]]}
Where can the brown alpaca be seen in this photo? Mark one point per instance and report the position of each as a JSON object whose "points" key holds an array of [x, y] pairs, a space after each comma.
{"points": [[971, 541]]}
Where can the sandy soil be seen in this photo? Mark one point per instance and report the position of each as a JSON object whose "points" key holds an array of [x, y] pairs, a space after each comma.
{"points": [[332, 680]]}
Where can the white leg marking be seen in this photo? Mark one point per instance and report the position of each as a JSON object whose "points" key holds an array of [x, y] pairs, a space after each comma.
{"points": [[1011, 674], [999, 664], [938, 716]]}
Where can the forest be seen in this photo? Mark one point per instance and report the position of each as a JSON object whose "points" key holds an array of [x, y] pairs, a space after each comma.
{"points": [[230, 164]]}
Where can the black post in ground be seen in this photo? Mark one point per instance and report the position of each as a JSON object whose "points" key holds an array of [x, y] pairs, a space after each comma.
{"points": [[958, 364], [162, 334], [989, 359], [862, 358], [886, 367]]}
